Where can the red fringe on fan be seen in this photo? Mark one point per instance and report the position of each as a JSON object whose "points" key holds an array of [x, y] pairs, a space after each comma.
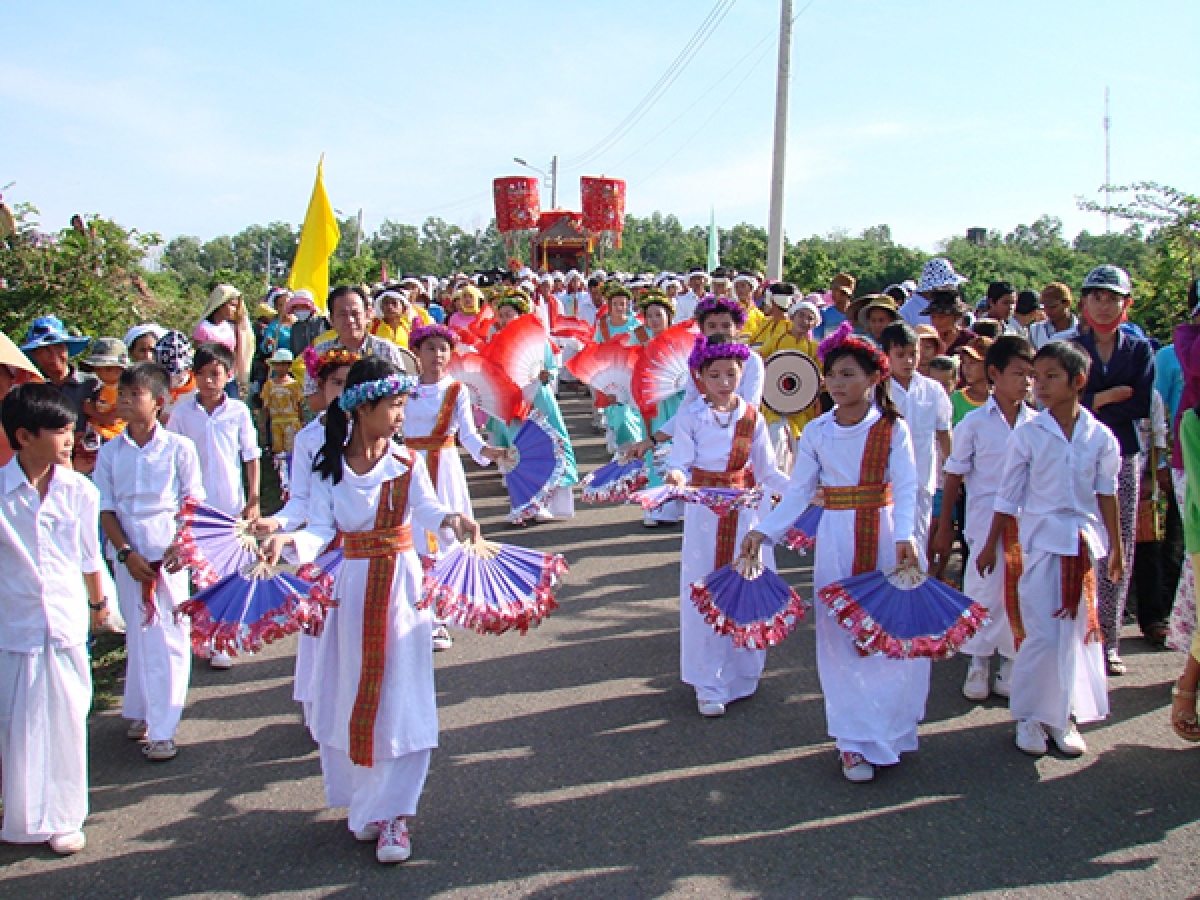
{"points": [[797, 540], [758, 636], [477, 615], [203, 574], [872, 639], [235, 637]]}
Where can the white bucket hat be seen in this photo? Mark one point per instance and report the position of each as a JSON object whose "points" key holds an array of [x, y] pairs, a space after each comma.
{"points": [[939, 274]]}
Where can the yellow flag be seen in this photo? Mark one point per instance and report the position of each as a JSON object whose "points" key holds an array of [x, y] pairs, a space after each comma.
{"points": [[318, 239]]}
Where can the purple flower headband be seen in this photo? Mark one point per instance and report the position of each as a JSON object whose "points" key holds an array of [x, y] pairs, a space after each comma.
{"points": [[427, 331], [844, 337], [711, 304], [369, 391], [703, 352]]}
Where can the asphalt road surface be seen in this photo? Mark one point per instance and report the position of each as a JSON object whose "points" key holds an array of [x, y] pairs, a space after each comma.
{"points": [[573, 764]]}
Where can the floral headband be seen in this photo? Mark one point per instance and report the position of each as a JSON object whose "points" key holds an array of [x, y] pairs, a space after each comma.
{"points": [[711, 305], [515, 298], [317, 363], [703, 352], [427, 331], [370, 391], [844, 338], [654, 297]]}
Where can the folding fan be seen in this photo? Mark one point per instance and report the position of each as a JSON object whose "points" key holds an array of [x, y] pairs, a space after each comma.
{"points": [[211, 543], [607, 367], [245, 610], [748, 602], [661, 370], [519, 349], [490, 388]]}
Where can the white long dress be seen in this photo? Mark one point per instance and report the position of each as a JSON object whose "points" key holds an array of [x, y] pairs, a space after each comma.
{"points": [[305, 447], [872, 703], [406, 726], [420, 415], [709, 662]]}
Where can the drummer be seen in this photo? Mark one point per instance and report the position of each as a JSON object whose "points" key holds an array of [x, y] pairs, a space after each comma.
{"points": [[785, 429]]}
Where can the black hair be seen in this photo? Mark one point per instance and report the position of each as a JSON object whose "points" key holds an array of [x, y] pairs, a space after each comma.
{"points": [[1068, 355], [897, 293], [998, 289], [328, 463], [1193, 294], [36, 406], [718, 340], [988, 328], [1007, 348], [898, 334], [147, 376], [868, 360], [345, 290], [211, 352], [944, 364]]}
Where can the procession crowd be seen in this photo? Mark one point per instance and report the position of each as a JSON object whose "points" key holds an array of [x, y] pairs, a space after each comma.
{"points": [[1038, 438]]}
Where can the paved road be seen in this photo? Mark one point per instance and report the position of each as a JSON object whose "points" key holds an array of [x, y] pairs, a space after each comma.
{"points": [[573, 764]]}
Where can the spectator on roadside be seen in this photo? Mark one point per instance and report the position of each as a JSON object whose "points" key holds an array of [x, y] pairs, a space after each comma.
{"points": [[226, 321], [1060, 323], [51, 349], [1001, 300], [841, 292]]}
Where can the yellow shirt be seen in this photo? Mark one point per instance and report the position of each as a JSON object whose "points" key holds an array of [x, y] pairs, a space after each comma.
{"points": [[769, 330], [399, 334], [807, 346]]}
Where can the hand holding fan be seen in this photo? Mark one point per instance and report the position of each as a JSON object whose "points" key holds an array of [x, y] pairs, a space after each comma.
{"points": [[748, 602], [519, 350], [607, 367], [614, 482], [661, 370], [535, 466], [211, 543], [490, 388], [492, 588], [246, 610], [904, 614]]}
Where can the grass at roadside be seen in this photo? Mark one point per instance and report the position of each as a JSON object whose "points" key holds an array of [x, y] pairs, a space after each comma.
{"points": [[108, 664]]}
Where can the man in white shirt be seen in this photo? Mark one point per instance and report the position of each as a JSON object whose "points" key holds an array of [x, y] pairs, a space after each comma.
{"points": [[50, 557], [685, 303], [928, 412]]}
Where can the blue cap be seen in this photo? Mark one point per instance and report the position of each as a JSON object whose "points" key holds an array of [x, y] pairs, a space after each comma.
{"points": [[46, 331], [1108, 278]]}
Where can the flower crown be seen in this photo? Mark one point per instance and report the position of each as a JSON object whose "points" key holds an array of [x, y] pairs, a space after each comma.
{"points": [[427, 331], [704, 352], [712, 304], [653, 297], [315, 363], [843, 338], [370, 391], [514, 297]]}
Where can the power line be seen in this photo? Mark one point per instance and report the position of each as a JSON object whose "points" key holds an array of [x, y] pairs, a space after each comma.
{"points": [[697, 41]]}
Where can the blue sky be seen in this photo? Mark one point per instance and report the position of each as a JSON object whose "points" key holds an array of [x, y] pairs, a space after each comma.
{"points": [[928, 115]]}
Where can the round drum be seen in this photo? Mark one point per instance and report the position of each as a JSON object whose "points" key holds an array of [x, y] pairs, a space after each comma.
{"points": [[792, 382]]}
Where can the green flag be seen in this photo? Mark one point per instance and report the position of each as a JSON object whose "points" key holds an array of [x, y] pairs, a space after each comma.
{"points": [[714, 253]]}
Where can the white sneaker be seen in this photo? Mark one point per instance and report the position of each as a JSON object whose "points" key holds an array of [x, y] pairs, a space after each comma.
{"points": [[648, 521], [394, 845], [66, 844], [160, 751], [220, 660], [369, 832], [856, 768], [137, 731], [710, 709], [441, 638], [1068, 741], [976, 686], [543, 515], [1031, 738], [1003, 684]]}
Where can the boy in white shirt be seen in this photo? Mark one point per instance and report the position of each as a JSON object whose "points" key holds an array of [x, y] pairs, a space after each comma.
{"points": [[50, 557], [1061, 480], [928, 412], [223, 431], [144, 476], [981, 443]]}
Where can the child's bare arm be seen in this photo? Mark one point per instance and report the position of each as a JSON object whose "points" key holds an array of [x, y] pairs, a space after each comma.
{"points": [[1110, 512], [985, 562], [137, 565], [943, 537], [251, 512]]}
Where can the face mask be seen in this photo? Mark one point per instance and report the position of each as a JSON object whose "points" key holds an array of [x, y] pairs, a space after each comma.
{"points": [[303, 314], [1104, 329]]}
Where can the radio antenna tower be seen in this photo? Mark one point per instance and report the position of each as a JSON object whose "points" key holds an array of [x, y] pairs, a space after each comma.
{"points": [[1107, 163]]}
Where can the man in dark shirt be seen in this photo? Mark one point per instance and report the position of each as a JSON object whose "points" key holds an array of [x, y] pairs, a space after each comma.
{"points": [[50, 347]]}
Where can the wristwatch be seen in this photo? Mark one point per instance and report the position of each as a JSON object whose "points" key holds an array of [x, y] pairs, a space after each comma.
{"points": [[123, 555]]}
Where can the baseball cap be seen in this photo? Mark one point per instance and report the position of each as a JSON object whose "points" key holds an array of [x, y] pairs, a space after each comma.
{"points": [[1108, 278]]}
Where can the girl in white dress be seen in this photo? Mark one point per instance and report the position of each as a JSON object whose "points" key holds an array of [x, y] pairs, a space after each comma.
{"points": [[374, 710], [720, 441], [859, 456], [329, 370]]}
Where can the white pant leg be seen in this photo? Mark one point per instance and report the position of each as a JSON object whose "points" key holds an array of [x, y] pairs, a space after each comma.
{"points": [[1056, 675], [921, 519], [387, 790], [44, 702], [158, 656], [988, 590]]}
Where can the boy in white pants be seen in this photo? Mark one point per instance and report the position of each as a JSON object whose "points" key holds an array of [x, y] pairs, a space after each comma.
{"points": [[50, 557], [1061, 480], [144, 476]]}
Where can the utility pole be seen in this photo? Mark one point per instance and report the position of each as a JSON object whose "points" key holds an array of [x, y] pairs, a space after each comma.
{"points": [[268, 262], [358, 233], [554, 183], [1107, 163], [783, 80]]}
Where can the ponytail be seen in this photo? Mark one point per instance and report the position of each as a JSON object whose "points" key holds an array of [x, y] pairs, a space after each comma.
{"points": [[883, 400], [328, 463]]}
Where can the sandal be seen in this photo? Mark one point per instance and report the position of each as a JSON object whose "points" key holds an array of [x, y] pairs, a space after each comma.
{"points": [[1185, 721]]}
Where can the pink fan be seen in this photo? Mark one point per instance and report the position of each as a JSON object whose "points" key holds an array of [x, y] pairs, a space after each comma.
{"points": [[519, 350], [490, 388], [571, 327], [607, 367], [211, 543], [661, 370]]}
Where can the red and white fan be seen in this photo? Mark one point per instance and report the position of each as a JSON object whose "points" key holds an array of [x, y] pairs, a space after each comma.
{"points": [[571, 327], [662, 370], [520, 349], [490, 388], [607, 367]]}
